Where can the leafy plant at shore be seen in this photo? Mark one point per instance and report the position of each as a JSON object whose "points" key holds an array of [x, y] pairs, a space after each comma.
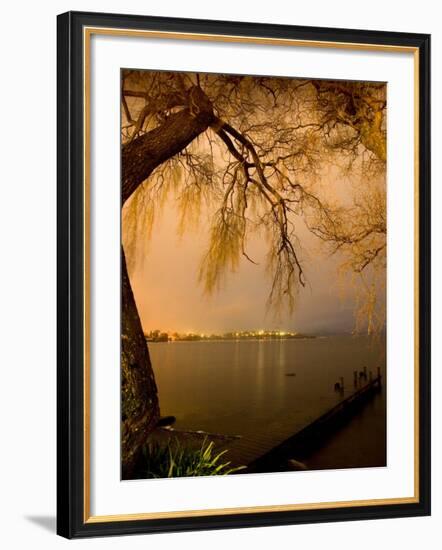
{"points": [[174, 459]]}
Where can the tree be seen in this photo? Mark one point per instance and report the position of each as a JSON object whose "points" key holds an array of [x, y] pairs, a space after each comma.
{"points": [[140, 157], [358, 230], [254, 148]]}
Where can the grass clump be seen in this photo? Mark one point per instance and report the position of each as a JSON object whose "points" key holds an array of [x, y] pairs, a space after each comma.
{"points": [[174, 459]]}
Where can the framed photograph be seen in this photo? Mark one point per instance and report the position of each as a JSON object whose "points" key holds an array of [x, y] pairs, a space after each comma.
{"points": [[243, 274]]}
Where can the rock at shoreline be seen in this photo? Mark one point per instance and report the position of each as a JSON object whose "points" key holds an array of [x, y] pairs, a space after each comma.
{"points": [[165, 421]]}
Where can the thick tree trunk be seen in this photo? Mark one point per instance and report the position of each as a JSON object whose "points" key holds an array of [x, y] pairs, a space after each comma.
{"points": [[141, 156], [140, 407]]}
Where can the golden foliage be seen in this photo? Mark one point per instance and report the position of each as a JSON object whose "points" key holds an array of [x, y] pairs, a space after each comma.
{"points": [[258, 169]]}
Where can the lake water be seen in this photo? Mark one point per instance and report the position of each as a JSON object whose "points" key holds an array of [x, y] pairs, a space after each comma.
{"points": [[242, 388]]}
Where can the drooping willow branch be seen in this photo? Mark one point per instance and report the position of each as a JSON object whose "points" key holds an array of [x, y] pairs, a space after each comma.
{"points": [[272, 138]]}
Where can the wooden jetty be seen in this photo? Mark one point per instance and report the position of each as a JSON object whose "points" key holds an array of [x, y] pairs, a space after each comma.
{"points": [[264, 454]]}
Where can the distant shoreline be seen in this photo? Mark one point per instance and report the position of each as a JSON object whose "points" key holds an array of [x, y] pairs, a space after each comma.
{"points": [[237, 335], [208, 340]]}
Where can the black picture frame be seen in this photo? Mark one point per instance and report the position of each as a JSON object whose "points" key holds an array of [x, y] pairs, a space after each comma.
{"points": [[71, 520]]}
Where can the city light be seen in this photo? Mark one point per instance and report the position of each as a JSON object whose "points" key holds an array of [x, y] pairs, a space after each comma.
{"points": [[261, 334]]}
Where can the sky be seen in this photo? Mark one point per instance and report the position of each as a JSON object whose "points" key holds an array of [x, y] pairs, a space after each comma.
{"points": [[170, 298]]}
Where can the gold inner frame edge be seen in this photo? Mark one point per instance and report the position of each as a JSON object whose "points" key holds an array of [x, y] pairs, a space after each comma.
{"points": [[87, 33]]}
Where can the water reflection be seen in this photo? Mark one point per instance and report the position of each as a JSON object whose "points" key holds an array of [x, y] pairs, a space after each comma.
{"points": [[242, 387]]}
